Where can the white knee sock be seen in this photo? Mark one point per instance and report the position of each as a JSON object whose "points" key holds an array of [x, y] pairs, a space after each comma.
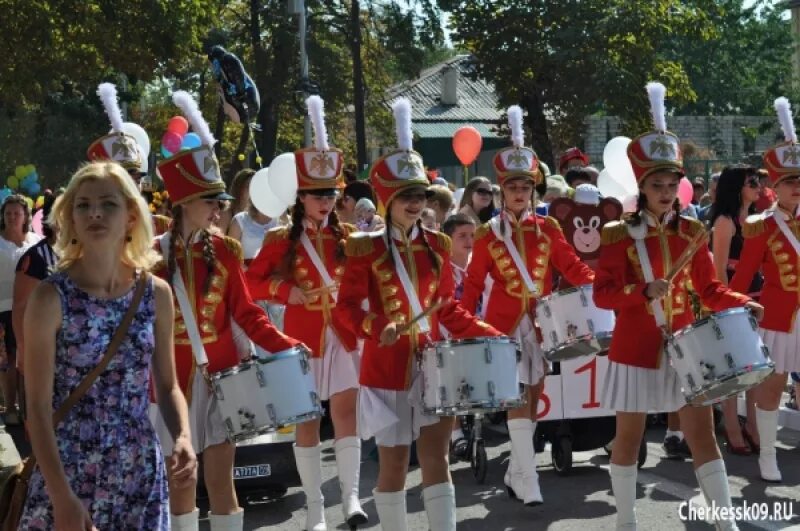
{"points": [[767, 422], [391, 508], [440, 506], [227, 522], [185, 522], [713, 480], [623, 485]]}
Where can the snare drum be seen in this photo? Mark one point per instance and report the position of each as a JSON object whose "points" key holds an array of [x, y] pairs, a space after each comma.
{"points": [[470, 376], [719, 356], [572, 325], [266, 393]]}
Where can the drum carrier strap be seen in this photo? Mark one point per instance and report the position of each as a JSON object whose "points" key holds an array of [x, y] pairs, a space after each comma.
{"points": [[638, 236], [408, 287], [494, 223]]}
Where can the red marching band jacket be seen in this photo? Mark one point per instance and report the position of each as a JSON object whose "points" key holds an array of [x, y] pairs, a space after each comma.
{"points": [[370, 274], [306, 322], [766, 248], [541, 244], [619, 285], [227, 298]]}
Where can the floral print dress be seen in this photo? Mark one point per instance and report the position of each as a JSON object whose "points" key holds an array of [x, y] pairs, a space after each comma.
{"points": [[109, 450]]}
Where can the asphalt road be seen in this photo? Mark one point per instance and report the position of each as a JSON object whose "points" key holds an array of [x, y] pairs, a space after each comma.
{"points": [[579, 501]]}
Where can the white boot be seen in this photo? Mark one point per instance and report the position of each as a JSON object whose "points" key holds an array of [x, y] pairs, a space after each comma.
{"points": [[440, 506], [310, 470], [767, 422], [713, 480], [524, 480], [623, 485], [185, 522], [348, 462], [391, 508], [227, 522]]}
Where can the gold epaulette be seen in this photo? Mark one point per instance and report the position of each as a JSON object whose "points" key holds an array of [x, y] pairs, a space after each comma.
{"points": [[275, 234], [348, 229], [553, 223], [359, 244], [613, 232], [444, 242], [482, 231], [754, 226], [235, 247], [692, 226]]}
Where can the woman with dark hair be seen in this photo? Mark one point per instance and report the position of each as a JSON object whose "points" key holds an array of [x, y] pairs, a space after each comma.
{"points": [[516, 255], [636, 256], [477, 200], [205, 271], [15, 239], [301, 266], [737, 191]]}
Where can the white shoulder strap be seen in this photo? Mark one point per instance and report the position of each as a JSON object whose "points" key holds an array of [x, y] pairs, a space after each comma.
{"points": [[647, 269], [186, 309], [494, 223], [408, 287], [317, 261]]}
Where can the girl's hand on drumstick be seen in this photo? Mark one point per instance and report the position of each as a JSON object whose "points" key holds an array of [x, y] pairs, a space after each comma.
{"points": [[297, 296], [756, 308], [389, 335], [656, 289]]}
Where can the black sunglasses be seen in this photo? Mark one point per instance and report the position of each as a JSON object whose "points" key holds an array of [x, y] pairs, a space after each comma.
{"points": [[752, 182], [483, 191]]}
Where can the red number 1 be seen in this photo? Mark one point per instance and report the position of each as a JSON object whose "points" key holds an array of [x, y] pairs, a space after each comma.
{"points": [[592, 368]]}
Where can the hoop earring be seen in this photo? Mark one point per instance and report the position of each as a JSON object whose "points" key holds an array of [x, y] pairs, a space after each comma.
{"points": [[128, 238], [73, 241]]}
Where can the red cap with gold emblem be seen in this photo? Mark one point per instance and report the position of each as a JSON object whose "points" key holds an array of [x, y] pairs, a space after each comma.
{"points": [[117, 146], [783, 160], [657, 150], [402, 168], [319, 167], [195, 172], [517, 162]]}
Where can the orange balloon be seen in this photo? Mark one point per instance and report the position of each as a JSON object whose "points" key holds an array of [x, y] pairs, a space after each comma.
{"points": [[467, 144]]}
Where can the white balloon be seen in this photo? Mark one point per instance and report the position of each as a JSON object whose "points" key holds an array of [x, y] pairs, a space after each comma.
{"points": [[136, 131], [609, 186], [615, 160], [283, 178], [263, 198], [629, 203], [615, 150]]}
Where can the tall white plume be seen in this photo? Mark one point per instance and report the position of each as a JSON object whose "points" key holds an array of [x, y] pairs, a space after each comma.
{"points": [[108, 95], [316, 111], [656, 92], [191, 111], [402, 123], [515, 124], [784, 110]]}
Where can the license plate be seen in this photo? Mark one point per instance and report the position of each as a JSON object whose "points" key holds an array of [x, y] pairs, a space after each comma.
{"points": [[254, 471]]}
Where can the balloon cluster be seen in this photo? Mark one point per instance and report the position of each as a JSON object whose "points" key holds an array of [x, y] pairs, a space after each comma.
{"points": [[274, 189], [178, 138], [24, 180]]}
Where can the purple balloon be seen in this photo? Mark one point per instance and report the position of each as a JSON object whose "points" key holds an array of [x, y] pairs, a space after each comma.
{"points": [[171, 141]]}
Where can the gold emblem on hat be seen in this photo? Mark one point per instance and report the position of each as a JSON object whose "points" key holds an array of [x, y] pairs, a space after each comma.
{"points": [[122, 146], [210, 162], [661, 147], [518, 159], [792, 155], [408, 163], [322, 163]]}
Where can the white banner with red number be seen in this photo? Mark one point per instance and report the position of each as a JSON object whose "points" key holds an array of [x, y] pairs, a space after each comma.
{"points": [[575, 393]]}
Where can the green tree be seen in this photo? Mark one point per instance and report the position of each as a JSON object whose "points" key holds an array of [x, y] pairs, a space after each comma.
{"points": [[562, 61]]}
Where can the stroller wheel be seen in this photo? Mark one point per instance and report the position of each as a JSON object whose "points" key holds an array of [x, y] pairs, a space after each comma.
{"points": [[480, 463], [561, 453]]}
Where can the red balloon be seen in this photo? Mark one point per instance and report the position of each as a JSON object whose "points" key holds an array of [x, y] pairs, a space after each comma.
{"points": [[178, 125], [467, 144], [685, 192], [171, 141]]}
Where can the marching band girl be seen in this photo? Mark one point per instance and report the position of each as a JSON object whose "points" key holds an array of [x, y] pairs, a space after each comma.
{"points": [[771, 246], [636, 257], [299, 266], [210, 291], [402, 272], [513, 261]]}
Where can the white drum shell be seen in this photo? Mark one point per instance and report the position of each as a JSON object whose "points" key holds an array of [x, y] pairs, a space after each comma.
{"points": [[719, 356], [572, 325], [474, 375], [266, 393]]}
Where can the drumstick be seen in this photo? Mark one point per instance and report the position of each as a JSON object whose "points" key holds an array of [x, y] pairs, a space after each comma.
{"points": [[695, 245], [332, 287], [406, 327]]}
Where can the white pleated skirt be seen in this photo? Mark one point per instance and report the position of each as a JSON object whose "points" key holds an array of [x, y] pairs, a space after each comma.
{"points": [[532, 364], [337, 370], [394, 418], [784, 347], [205, 420], [638, 390]]}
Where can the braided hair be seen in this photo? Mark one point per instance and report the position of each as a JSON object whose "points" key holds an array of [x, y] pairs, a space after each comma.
{"points": [[209, 254], [296, 230]]}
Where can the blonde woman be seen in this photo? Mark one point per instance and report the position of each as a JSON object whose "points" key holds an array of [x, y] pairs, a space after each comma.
{"points": [[102, 467]]}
